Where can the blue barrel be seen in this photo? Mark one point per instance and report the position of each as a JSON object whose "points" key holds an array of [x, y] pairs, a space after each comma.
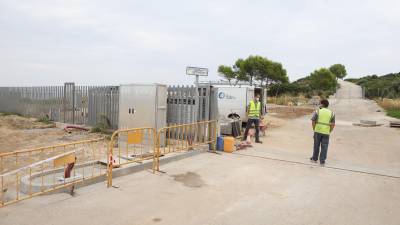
{"points": [[220, 143]]}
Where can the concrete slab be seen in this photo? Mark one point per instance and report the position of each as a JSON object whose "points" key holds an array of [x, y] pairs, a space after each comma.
{"points": [[222, 189], [301, 158]]}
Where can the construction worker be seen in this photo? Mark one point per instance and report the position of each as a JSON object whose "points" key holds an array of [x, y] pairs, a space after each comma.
{"points": [[253, 116], [323, 122]]}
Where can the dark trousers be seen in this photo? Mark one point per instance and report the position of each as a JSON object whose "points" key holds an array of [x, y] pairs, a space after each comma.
{"points": [[248, 126], [323, 141]]}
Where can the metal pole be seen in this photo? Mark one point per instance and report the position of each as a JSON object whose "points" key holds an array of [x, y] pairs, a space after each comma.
{"points": [[73, 103], [197, 99], [64, 101]]}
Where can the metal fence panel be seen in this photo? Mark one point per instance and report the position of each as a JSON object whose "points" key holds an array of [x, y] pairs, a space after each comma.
{"points": [[92, 104], [69, 103], [103, 105], [186, 105]]}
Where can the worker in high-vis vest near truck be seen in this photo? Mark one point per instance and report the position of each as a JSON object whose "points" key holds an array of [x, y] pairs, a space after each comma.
{"points": [[323, 122], [253, 117]]}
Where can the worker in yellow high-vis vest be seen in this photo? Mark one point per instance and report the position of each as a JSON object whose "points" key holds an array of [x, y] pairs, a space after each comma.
{"points": [[323, 122], [253, 117]]}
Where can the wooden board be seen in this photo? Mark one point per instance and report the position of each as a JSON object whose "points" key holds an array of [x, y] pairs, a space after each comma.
{"points": [[70, 158], [395, 124]]}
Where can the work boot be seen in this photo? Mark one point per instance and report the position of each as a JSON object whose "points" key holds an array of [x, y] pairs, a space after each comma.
{"points": [[313, 160]]}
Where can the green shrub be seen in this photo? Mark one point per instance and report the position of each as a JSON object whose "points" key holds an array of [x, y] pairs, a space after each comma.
{"points": [[391, 106], [386, 86], [102, 126]]}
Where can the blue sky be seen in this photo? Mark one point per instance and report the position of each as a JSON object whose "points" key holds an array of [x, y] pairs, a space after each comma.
{"points": [[114, 42]]}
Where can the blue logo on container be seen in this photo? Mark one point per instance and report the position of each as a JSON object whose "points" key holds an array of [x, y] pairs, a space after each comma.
{"points": [[222, 95]]}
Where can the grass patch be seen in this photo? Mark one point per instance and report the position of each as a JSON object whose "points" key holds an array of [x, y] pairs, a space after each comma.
{"points": [[45, 120], [9, 114], [391, 106], [393, 113]]}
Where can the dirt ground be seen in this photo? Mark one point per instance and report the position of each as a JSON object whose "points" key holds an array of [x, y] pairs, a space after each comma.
{"points": [[278, 115], [289, 112], [18, 133]]}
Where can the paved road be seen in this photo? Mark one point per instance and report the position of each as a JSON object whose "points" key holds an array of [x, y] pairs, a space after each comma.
{"points": [[349, 105], [348, 90], [269, 184], [370, 147], [226, 189]]}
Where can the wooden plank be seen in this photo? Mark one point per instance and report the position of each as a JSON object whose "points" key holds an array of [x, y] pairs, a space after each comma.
{"points": [[70, 158], [395, 124]]}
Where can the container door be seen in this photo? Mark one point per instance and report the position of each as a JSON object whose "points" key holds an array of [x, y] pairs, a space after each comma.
{"points": [[136, 103]]}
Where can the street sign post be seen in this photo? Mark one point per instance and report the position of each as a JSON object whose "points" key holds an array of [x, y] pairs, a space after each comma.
{"points": [[196, 71]]}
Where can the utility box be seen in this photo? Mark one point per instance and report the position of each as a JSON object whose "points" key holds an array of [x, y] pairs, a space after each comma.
{"points": [[142, 105]]}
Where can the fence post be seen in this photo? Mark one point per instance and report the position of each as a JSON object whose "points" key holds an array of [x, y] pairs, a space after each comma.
{"points": [[110, 159], [69, 98], [158, 150]]}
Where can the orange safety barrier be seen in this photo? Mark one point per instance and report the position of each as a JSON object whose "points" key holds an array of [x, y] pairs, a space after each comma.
{"points": [[185, 137], [33, 172], [130, 146]]}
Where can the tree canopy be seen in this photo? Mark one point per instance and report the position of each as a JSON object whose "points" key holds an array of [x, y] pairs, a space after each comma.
{"points": [[323, 79], [338, 70], [255, 69], [228, 73]]}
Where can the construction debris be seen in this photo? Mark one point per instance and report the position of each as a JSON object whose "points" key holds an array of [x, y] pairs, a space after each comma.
{"points": [[367, 123], [69, 129], [243, 145], [395, 124]]}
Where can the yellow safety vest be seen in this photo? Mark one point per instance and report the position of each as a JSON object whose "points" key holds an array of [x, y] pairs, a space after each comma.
{"points": [[254, 111], [323, 125]]}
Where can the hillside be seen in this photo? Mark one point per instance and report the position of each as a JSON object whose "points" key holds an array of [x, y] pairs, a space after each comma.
{"points": [[302, 86], [386, 86]]}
